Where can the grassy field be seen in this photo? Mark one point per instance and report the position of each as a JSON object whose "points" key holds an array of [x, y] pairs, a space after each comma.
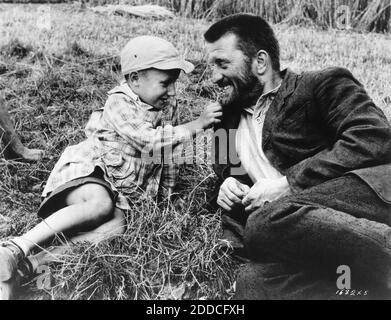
{"points": [[52, 78]]}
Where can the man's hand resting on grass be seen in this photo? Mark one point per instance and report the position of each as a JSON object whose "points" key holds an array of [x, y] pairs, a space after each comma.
{"points": [[231, 193], [265, 190]]}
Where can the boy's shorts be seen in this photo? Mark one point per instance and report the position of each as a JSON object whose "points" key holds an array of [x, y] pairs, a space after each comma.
{"points": [[56, 199]]}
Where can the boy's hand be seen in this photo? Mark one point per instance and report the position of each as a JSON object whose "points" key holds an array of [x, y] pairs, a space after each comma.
{"points": [[210, 115]]}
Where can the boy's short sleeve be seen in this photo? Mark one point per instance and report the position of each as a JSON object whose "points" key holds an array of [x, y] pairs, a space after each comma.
{"points": [[134, 123]]}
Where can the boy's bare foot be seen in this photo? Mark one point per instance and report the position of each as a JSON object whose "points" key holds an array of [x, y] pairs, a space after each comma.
{"points": [[25, 154], [32, 154]]}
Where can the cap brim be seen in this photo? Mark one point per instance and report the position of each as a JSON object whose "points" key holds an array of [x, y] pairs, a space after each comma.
{"points": [[184, 65]]}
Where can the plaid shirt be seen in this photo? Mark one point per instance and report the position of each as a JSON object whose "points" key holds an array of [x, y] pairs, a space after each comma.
{"points": [[126, 139]]}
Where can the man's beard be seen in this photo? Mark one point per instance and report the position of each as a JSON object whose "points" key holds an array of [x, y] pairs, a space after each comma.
{"points": [[241, 92]]}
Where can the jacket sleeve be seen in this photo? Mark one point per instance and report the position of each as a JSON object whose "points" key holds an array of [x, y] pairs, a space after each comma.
{"points": [[359, 132]]}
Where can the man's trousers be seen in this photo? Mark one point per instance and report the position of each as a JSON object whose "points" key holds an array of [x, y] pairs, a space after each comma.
{"points": [[296, 244]]}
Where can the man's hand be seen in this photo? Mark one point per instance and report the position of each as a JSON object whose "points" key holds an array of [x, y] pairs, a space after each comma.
{"points": [[231, 193], [265, 190]]}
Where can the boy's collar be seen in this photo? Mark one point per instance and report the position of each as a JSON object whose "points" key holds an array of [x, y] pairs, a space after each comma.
{"points": [[125, 89]]}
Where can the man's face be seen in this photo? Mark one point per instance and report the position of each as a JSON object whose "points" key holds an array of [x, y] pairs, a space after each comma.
{"points": [[155, 87], [231, 70]]}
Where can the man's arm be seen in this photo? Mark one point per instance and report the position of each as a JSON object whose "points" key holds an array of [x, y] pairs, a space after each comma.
{"points": [[359, 130], [232, 182]]}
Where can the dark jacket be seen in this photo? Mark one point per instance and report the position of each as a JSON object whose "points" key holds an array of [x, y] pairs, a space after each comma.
{"points": [[321, 125]]}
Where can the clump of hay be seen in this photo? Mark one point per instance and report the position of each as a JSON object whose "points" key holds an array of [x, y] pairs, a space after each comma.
{"points": [[15, 48]]}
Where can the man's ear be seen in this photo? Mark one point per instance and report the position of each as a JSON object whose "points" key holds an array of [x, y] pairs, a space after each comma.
{"points": [[262, 61]]}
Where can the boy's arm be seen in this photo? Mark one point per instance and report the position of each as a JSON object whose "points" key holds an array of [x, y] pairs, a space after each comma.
{"points": [[130, 124], [125, 117]]}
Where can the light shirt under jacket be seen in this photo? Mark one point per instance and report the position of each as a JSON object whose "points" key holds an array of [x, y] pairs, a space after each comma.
{"points": [[249, 140]]}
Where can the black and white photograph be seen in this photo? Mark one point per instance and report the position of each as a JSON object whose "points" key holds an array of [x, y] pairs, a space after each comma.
{"points": [[195, 151]]}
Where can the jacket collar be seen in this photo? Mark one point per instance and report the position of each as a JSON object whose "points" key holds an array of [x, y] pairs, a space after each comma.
{"points": [[287, 87], [268, 95]]}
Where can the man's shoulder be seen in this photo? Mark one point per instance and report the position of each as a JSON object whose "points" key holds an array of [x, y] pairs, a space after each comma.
{"points": [[327, 79], [315, 76]]}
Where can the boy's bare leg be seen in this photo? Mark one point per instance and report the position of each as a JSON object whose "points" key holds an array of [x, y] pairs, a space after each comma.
{"points": [[111, 228], [13, 146], [87, 207]]}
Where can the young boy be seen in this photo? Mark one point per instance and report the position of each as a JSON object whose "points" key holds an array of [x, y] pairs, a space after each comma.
{"points": [[90, 186]]}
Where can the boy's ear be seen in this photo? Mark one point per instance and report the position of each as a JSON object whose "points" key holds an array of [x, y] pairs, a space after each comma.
{"points": [[134, 77]]}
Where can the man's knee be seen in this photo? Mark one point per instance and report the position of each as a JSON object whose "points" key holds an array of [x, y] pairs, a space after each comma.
{"points": [[266, 227], [250, 283]]}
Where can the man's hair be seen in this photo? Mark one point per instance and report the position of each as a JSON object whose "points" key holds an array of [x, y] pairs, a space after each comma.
{"points": [[253, 34]]}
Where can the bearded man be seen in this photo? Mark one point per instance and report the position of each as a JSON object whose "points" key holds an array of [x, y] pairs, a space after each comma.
{"points": [[305, 178]]}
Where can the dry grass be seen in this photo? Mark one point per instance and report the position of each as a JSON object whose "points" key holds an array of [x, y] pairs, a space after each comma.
{"points": [[165, 249], [53, 79], [364, 15]]}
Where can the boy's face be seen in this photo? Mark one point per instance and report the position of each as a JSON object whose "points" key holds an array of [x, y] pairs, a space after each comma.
{"points": [[155, 87]]}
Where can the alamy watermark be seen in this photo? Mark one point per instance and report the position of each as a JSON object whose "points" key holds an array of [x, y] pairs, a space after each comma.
{"points": [[344, 283], [196, 149], [343, 17], [44, 278], [44, 19]]}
